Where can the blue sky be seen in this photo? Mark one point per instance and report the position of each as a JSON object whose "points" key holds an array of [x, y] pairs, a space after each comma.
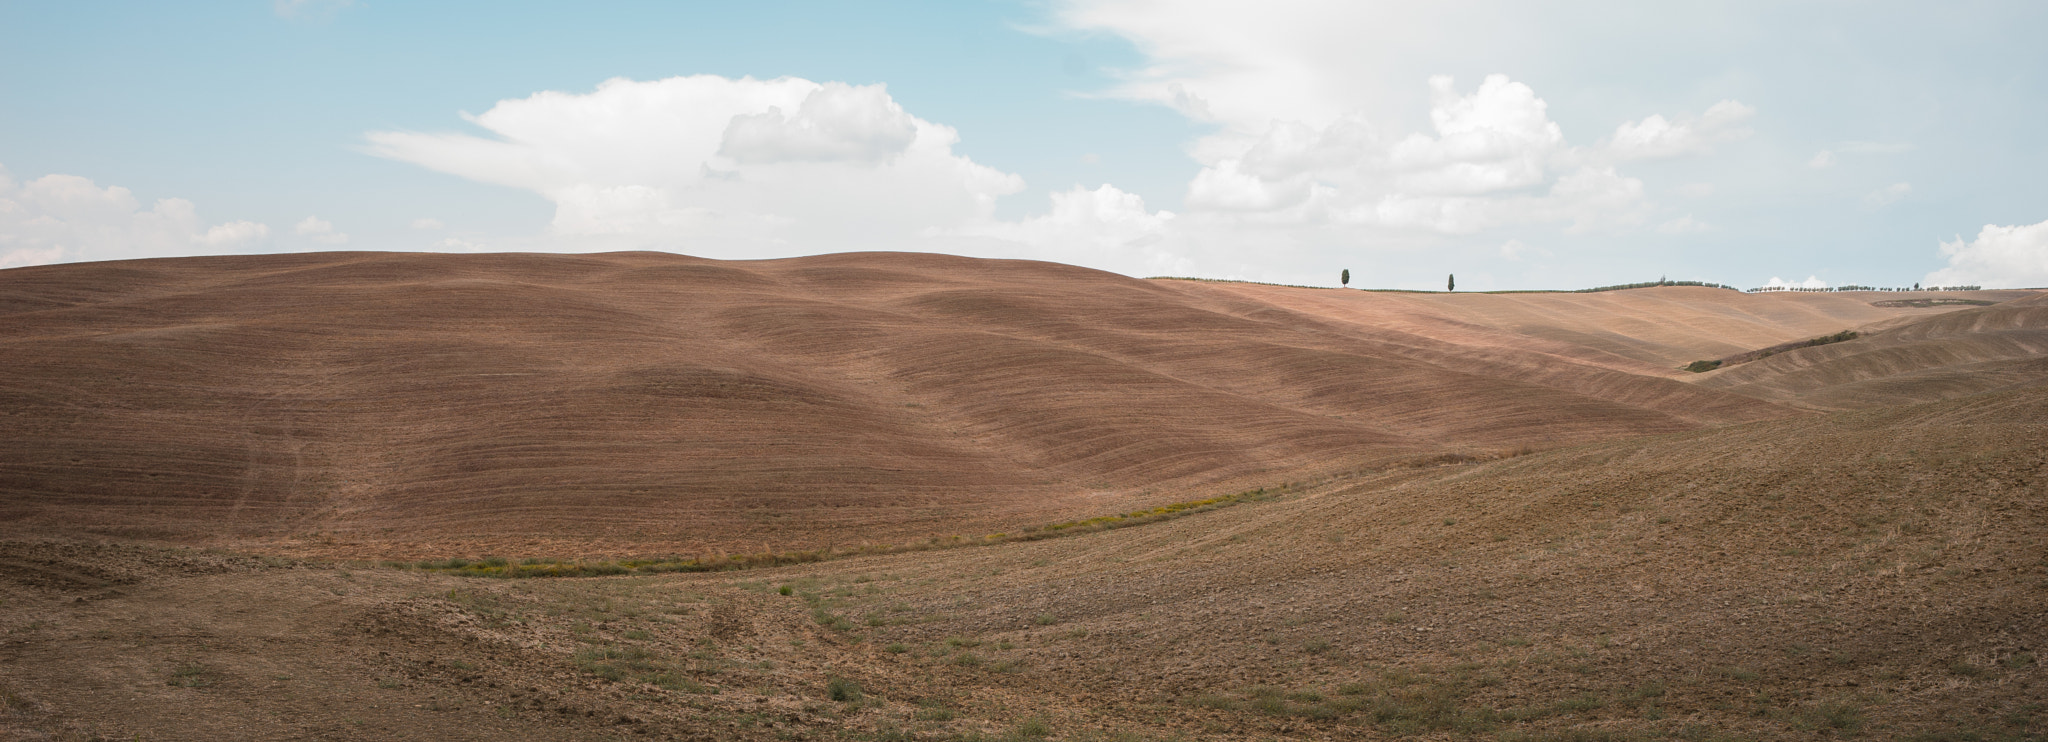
{"points": [[1555, 146]]}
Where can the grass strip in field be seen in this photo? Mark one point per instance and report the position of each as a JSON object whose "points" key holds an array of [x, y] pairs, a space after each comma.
{"points": [[500, 567]]}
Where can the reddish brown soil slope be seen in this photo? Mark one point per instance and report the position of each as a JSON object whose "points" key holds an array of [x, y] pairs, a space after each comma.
{"points": [[416, 405], [1875, 574], [1956, 354], [1653, 331]]}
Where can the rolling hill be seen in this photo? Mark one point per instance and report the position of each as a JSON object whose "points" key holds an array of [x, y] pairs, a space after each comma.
{"points": [[1466, 516], [1973, 350], [420, 404]]}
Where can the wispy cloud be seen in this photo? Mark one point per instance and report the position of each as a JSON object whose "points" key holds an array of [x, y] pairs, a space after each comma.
{"points": [[1887, 195]]}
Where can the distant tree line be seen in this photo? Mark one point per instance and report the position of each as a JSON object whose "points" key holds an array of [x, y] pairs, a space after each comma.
{"points": [[1649, 284], [1853, 287]]}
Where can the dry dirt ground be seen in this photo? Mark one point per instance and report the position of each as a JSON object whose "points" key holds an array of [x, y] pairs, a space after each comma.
{"points": [[1874, 574], [381, 404], [1761, 552]]}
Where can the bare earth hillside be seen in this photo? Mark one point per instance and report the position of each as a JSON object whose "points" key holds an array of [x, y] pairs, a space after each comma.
{"points": [[377, 404], [1470, 516], [1875, 575], [1964, 352]]}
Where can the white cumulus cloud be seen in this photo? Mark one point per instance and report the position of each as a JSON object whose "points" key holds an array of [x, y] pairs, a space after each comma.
{"points": [[1497, 138], [1811, 282], [319, 230], [744, 167], [2000, 257], [1309, 150], [836, 121], [1655, 137], [234, 233], [1493, 158], [1103, 227], [58, 218]]}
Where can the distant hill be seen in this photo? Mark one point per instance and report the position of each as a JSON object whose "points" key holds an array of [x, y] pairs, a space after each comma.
{"points": [[427, 404], [1976, 349]]}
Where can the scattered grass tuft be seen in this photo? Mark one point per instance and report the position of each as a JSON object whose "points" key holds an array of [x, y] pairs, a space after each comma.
{"points": [[1738, 673], [1963, 668], [191, 675], [1838, 716]]}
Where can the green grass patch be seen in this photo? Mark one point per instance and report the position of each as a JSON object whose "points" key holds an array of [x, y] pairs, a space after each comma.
{"points": [[496, 567], [842, 689]]}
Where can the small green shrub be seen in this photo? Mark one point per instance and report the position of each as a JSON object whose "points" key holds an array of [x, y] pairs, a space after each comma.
{"points": [[842, 689], [1700, 367]]}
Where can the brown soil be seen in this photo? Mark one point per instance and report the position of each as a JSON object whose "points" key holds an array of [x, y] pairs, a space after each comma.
{"points": [[1875, 574], [365, 404], [1680, 561], [1975, 350]]}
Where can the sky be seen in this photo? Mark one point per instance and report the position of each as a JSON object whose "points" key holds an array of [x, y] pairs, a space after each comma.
{"points": [[1517, 145]]}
